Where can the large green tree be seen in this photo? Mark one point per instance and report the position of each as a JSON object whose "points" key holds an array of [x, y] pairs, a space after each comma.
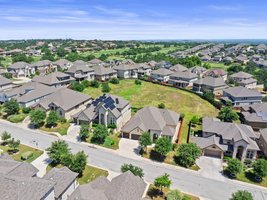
{"points": [[37, 117], [163, 146], [100, 133], [52, 119], [260, 168], [242, 195], [58, 150], [145, 140], [137, 171], [187, 154], [234, 166], [227, 114], [78, 162], [84, 132], [11, 107], [163, 181]]}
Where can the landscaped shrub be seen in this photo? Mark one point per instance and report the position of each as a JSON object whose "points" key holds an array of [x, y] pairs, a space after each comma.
{"points": [[16, 118], [105, 87], [112, 126], [109, 142], [138, 82], [26, 155], [115, 81], [94, 84], [85, 83], [26, 110]]}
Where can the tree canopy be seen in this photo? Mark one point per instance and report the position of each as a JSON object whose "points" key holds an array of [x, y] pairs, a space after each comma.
{"points": [[187, 154], [137, 171], [58, 150], [234, 166], [11, 107], [227, 114], [163, 181], [242, 195], [37, 117], [163, 146]]}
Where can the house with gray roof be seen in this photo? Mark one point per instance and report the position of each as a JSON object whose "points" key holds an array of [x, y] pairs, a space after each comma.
{"points": [[144, 69], [65, 182], [104, 73], [63, 64], [178, 68], [243, 79], [161, 75], [224, 138], [215, 73], [5, 84], [199, 71], [55, 79], [158, 122], [255, 115], [127, 70], [209, 84], [65, 102], [27, 94], [95, 61], [44, 66], [21, 69], [263, 141], [107, 110], [182, 79], [80, 70], [241, 96], [123, 187]]}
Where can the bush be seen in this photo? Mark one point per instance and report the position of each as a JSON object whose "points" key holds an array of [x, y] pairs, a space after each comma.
{"points": [[137, 171], [112, 126], [100, 134], [105, 88], [84, 132], [138, 82], [260, 168], [242, 195], [11, 107], [94, 84], [16, 118], [109, 142], [161, 106], [26, 110], [77, 86], [26, 155], [234, 167], [174, 195], [115, 81], [85, 83], [37, 117], [52, 119]]}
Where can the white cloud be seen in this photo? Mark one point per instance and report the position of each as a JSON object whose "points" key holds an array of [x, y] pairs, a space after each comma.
{"points": [[115, 12], [225, 8]]}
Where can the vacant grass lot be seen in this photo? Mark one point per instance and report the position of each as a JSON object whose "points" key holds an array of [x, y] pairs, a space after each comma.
{"points": [[89, 174], [23, 149], [149, 94]]}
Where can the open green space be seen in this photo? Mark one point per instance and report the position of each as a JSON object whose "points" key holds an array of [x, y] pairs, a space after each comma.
{"points": [[22, 150], [149, 94]]}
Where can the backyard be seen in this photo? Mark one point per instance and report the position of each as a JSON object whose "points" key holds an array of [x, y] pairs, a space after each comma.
{"points": [[149, 94]]}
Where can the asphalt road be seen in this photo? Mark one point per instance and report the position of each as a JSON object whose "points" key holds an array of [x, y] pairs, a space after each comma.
{"points": [[186, 180]]}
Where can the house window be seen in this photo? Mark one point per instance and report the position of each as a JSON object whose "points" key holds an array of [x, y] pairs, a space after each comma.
{"points": [[60, 113], [112, 120], [250, 154]]}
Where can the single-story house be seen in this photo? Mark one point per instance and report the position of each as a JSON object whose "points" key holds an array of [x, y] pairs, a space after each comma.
{"points": [[241, 96], [161, 75], [104, 73], [81, 71], [158, 122], [255, 115], [65, 102], [182, 79], [244, 79], [123, 187], [209, 84], [55, 79], [107, 110], [224, 138], [21, 69]]}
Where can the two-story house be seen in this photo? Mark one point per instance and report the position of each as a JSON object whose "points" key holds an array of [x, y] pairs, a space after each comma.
{"points": [[209, 84], [21, 69], [182, 79], [126, 71], [161, 75], [81, 71], [243, 79]]}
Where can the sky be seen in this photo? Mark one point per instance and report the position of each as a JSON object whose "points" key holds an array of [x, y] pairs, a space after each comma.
{"points": [[133, 19]]}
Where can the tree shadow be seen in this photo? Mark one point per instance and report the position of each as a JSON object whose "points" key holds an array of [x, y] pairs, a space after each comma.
{"points": [[156, 156], [153, 192]]}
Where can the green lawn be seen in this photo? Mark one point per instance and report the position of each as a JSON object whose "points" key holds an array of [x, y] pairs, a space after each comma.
{"points": [[61, 128], [89, 174], [149, 94], [23, 149], [248, 177]]}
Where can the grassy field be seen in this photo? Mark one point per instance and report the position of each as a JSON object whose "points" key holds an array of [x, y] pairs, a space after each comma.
{"points": [[61, 128], [149, 94], [153, 193], [23, 149], [89, 174]]}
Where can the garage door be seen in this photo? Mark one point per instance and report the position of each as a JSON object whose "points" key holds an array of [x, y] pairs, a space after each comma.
{"points": [[125, 135], [212, 153], [135, 137]]}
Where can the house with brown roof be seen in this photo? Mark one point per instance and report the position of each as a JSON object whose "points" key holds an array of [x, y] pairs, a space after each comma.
{"points": [[243, 79], [241, 96], [55, 79], [209, 84], [158, 122], [80, 70], [107, 110], [65, 102], [123, 187], [224, 138], [21, 69], [104, 73]]}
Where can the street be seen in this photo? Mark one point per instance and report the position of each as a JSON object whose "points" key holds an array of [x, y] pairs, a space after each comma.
{"points": [[185, 180]]}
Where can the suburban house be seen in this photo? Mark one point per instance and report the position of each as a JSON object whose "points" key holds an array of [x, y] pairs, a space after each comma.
{"points": [[161, 75], [209, 84], [55, 79], [65, 182], [95, 61], [5, 84], [263, 141], [44, 66], [126, 71], [242, 59], [107, 110], [21, 69], [224, 138], [144, 69], [199, 71], [104, 73], [182, 79], [158, 122], [125, 186], [215, 73], [241, 96], [63, 64], [81, 71], [255, 115], [244, 79], [27, 94], [65, 102], [178, 68]]}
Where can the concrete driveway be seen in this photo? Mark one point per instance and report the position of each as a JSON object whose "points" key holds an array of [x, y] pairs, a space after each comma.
{"points": [[211, 167], [73, 133], [129, 148], [41, 164]]}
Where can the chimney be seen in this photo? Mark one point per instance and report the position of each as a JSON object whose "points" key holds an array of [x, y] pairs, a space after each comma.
{"points": [[117, 101]]}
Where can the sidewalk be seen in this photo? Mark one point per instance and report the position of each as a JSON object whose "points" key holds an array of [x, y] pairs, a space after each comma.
{"points": [[41, 164]]}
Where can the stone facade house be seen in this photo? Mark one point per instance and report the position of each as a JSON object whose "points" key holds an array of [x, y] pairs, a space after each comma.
{"points": [[81, 71], [263, 141], [215, 73], [44, 67], [209, 84], [63, 64], [21, 69]]}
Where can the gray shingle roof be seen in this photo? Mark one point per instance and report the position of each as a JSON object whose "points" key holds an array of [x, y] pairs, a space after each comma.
{"points": [[63, 178], [18, 65], [183, 75], [179, 68], [100, 70], [62, 63], [207, 142], [162, 72], [42, 63], [125, 67], [4, 81], [211, 81], [79, 65], [241, 75], [242, 92], [53, 78]]}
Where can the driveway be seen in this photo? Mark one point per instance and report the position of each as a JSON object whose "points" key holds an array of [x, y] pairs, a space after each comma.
{"points": [[73, 133], [129, 148], [211, 167], [41, 164]]}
